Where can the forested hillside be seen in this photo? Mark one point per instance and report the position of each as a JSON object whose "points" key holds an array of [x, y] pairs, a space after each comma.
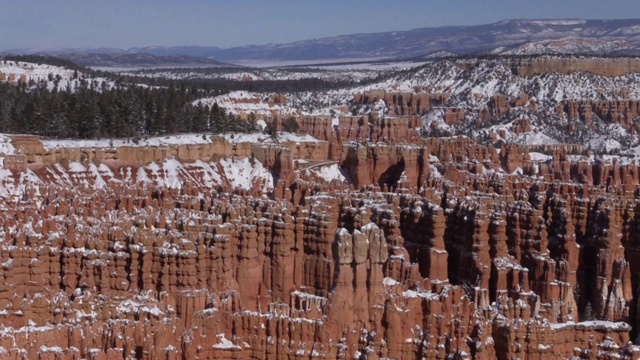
{"points": [[73, 101], [90, 104], [93, 111]]}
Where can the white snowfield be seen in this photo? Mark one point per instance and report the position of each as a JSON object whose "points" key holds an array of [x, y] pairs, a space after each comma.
{"points": [[51, 74], [327, 172], [224, 343], [244, 102], [34, 71], [112, 143], [171, 140]]}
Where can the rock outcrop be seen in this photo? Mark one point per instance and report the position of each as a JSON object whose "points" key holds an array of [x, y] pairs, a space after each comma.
{"points": [[598, 66], [431, 248]]}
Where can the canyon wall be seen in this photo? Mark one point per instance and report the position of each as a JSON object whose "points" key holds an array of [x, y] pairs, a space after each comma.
{"points": [[432, 250], [598, 66]]}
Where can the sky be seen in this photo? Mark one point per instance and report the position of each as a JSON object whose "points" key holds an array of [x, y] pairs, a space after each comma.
{"points": [[49, 24]]}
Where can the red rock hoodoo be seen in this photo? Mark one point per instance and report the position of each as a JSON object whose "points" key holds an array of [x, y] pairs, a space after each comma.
{"points": [[432, 251]]}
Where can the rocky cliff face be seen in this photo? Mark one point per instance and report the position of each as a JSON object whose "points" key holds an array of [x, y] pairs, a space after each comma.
{"points": [[543, 100], [430, 248], [622, 112], [598, 66], [402, 103]]}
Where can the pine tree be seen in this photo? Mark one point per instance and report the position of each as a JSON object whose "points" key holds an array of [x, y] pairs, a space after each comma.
{"points": [[290, 125], [587, 313]]}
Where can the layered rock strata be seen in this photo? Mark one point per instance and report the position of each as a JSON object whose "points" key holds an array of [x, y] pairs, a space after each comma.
{"points": [[432, 250]]}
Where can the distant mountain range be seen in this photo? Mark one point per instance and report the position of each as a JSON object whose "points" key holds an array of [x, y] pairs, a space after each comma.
{"points": [[88, 57], [516, 37], [144, 59]]}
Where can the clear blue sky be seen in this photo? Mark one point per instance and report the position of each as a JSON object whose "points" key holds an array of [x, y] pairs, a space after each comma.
{"points": [[45, 24]]}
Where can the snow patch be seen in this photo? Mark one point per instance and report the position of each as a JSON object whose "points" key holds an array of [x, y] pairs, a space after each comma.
{"points": [[6, 147], [327, 173], [242, 173], [224, 343]]}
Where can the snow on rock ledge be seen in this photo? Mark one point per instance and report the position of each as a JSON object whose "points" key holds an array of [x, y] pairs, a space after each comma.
{"points": [[173, 140], [593, 325], [6, 147], [225, 344]]}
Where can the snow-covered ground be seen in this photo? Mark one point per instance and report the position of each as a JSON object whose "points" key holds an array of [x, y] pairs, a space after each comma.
{"points": [[296, 70], [288, 63], [391, 65], [476, 85], [260, 105], [184, 139], [243, 173], [53, 75], [472, 83], [328, 173], [244, 102], [33, 71], [281, 137], [172, 140]]}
